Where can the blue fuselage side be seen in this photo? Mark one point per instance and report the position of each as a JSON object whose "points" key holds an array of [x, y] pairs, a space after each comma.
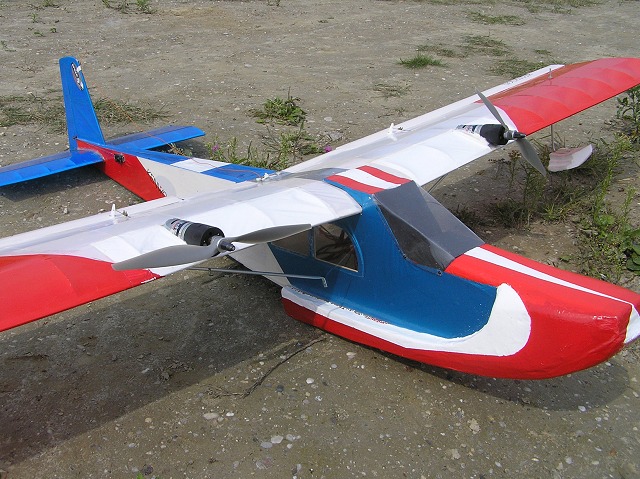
{"points": [[387, 285]]}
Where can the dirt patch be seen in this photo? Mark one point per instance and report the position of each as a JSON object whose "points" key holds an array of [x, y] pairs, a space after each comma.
{"points": [[153, 381]]}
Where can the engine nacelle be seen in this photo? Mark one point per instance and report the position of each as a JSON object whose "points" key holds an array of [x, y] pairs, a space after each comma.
{"points": [[197, 234]]}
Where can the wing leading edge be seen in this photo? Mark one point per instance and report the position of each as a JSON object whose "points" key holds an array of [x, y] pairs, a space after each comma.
{"points": [[429, 146], [56, 268]]}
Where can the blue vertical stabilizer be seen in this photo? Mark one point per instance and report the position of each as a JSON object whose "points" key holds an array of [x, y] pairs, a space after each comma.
{"points": [[81, 117]]}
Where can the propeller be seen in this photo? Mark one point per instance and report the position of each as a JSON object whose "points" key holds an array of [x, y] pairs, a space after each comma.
{"points": [[185, 253], [526, 148]]}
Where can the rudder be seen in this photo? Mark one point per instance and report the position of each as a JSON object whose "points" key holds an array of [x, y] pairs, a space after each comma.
{"points": [[81, 116]]}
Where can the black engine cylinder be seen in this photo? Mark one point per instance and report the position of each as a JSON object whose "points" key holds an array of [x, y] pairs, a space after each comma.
{"points": [[197, 234]]}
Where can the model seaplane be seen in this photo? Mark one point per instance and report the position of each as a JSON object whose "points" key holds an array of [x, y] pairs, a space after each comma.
{"points": [[359, 248]]}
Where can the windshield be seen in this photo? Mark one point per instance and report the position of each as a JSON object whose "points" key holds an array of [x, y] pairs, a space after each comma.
{"points": [[426, 231]]}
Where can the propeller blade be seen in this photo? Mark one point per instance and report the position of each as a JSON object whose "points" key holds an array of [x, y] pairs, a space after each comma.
{"points": [[169, 256], [530, 154], [267, 235], [185, 254], [492, 109], [527, 150]]}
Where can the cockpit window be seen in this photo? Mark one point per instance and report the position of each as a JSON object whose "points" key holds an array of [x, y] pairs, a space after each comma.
{"points": [[426, 231], [298, 243], [330, 243], [334, 245]]}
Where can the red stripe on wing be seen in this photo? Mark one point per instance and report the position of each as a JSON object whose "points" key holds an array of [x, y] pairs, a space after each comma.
{"points": [[354, 185], [35, 286], [566, 91], [383, 175]]}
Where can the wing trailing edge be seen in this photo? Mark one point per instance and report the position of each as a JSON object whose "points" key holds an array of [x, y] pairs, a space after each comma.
{"points": [[47, 165], [43, 284]]}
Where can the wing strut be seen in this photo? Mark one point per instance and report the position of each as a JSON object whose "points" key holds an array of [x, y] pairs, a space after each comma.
{"points": [[260, 273]]}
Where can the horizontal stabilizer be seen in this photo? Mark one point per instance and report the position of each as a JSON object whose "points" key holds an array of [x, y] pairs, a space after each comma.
{"points": [[46, 165], [158, 137]]}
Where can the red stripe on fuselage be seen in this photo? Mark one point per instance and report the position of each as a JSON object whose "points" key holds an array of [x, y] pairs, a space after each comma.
{"points": [[129, 172], [571, 329]]}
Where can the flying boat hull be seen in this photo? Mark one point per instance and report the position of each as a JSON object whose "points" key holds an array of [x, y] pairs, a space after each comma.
{"points": [[483, 311]]}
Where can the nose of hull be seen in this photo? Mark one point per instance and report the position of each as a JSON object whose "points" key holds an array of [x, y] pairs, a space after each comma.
{"points": [[576, 321]]}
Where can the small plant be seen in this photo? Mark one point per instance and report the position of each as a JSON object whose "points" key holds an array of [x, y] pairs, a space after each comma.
{"points": [[526, 196], [5, 47], [229, 152], [421, 61], [122, 6], [281, 150], [116, 111], [144, 6], [633, 253], [287, 147], [609, 243], [284, 112], [628, 110], [608, 240], [556, 6]]}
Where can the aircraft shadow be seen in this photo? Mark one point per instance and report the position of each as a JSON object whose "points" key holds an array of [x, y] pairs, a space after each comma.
{"points": [[57, 183], [82, 368], [597, 386]]}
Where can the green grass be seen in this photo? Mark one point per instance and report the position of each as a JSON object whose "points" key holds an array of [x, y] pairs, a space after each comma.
{"points": [[628, 112], [556, 6], [5, 47], [49, 112], [421, 61], [279, 149], [485, 19], [459, 2], [282, 146], [287, 147], [608, 241], [124, 6], [282, 111], [441, 50]]}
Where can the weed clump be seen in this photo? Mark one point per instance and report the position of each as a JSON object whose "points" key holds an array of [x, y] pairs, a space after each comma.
{"points": [[282, 145], [284, 112], [608, 242], [628, 111], [421, 60]]}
